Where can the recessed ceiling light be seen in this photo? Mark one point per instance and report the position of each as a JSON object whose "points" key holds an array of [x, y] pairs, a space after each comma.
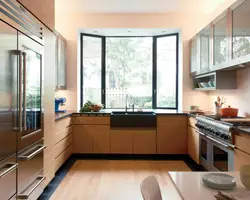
{"points": [[129, 31], [163, 31], [95, 31]]}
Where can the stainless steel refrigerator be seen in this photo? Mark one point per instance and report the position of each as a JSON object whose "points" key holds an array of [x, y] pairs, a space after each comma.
{"points": [[21, 105]]}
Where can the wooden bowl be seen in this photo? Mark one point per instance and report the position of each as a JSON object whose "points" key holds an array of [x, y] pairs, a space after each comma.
{"points": [[96, 108]]}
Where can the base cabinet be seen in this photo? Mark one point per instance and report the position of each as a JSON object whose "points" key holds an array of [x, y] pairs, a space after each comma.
{"points": [[145, 142], [193, 144], [83, 140], [102, 139], [91, 139], [172, 134], [122, 142], [240, 158]]}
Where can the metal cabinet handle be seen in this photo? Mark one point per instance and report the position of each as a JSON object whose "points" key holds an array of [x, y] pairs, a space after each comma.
{"points": [[10, 167], [217, 142], [33, 154], [200, 133], [39, 180]]}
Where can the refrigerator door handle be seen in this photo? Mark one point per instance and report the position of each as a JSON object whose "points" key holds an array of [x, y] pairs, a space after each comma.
{"points": [[24, 92], [20, 91]]}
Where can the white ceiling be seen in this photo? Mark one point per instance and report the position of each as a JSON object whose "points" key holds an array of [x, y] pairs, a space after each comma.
{"points": [[129, 31], [137, 6]]}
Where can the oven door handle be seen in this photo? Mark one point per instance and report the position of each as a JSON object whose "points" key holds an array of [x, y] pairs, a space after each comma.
{"points": [[217, 142], [200, 133]]}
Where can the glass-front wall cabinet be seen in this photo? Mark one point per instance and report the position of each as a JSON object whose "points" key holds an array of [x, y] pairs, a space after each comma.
{"points": [[61, 63], [205, 49], [241, 30], [220, 42], [194, 52]]}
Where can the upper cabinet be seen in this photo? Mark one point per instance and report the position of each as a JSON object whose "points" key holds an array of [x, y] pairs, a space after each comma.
{"points": [[224, 43], [220, 41], [44, 10], [194, 61], [60, 62], [205, 35], [241, 30]]}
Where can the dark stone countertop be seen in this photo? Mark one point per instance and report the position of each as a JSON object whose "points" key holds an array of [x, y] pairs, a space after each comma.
{"points": [[61, 115], [107, 112], [242, 129]]}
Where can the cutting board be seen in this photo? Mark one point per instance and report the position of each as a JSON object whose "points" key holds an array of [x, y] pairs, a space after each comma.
{"points": [[238, 120]]}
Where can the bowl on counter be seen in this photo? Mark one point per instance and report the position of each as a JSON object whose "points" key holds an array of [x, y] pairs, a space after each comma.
{"points": [[245, 175], [96, 107]]}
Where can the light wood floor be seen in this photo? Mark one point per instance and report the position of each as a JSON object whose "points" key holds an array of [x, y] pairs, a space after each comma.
{"points": [[116, 180]]}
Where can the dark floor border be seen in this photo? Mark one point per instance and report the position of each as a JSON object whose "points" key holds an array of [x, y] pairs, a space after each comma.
{"points": [[61, 173]]}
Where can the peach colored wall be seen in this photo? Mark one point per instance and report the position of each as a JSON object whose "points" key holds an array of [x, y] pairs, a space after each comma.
{"points": [[68, 24], [238, 98]]}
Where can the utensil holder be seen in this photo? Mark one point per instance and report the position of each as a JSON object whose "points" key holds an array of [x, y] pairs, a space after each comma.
{"points": [[217, 110]]}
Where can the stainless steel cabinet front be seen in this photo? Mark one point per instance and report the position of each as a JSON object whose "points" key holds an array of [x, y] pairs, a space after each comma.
{"points": [[30, 161], [8, 169]]}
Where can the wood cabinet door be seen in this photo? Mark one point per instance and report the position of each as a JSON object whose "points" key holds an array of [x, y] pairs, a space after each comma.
{"points": [[145, 142], [101, 139], [83, 139], [122, 142], [44, 10], [172, 134], [193, 144], [240, 158]]}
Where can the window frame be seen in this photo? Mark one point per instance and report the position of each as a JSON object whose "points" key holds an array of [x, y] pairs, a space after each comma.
{"points": [[154, 67]]}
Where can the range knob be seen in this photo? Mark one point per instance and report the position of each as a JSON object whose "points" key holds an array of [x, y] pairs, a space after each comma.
{"points": [[226, 137], [218, 133]]}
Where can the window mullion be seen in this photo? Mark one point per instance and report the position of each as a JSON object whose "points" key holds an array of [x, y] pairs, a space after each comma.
{"points": [[103, 82], [154, 74]]}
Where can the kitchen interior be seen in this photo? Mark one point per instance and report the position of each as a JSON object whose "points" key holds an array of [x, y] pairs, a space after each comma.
{"points": [[116, 100]]}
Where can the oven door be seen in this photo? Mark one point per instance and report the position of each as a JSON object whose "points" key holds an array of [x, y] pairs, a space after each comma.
{"points": [[205, 151], [222, 156]]}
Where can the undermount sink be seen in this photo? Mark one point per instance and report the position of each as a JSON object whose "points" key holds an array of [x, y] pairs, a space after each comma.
{"points": [[131, 113], [133, 119]]}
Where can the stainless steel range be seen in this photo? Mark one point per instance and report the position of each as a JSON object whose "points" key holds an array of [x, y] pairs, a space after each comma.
{"points": [[216, 143]]}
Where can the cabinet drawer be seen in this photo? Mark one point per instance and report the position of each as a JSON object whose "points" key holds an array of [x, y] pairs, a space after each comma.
{"points": [[62, 124], [63, 157], [171, 120], [242, 141], [62, 145], [91, 120], [62, 134], [192, 121], [8, 169]]}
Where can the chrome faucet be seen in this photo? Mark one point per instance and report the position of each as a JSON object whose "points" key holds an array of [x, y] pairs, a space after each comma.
{"points": [[126, 107]]}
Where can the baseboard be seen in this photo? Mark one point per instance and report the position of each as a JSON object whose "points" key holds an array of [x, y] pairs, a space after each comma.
{"points": [[130, 156]]}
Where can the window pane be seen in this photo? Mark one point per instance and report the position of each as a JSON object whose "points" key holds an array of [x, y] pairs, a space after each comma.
{"points": [[166, 71], [129, 72], [92, 51]]}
